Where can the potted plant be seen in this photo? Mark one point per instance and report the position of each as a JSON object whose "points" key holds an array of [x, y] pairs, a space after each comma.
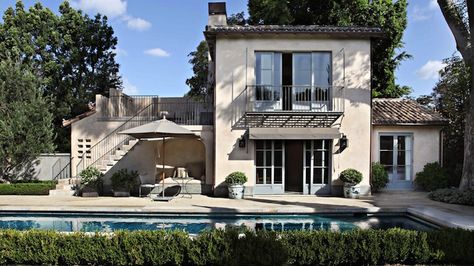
{"points": [[379, 177], [351, 179], [91, 181], [235, 183], [123, 182]]}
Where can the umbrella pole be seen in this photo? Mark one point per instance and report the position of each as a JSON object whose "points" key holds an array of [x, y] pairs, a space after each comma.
{"points": [[164, 174]]}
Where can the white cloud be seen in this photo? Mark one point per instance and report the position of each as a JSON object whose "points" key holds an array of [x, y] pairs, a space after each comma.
{"points": [[138, 24], [430, 70], [420, 14], [120, 52], [129, 88], [433, 4], [110, 8], [424, 12], [158, 52]]}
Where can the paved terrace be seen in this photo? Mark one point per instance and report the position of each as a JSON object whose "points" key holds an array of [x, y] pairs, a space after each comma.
{"points": [[415, 203]]}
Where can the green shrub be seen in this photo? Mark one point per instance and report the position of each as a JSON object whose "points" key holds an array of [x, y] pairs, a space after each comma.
{"points": [[432, 177], [453, 196], [351, 176], [122, 180], [456, 246], [237, 247], [379, 177], [36, 188], [237, 178], [91, 178]]}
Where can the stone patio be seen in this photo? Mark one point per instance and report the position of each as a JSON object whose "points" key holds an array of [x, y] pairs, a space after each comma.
{"points": [[415, 203]]}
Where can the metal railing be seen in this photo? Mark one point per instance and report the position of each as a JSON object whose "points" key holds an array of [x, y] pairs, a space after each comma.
{"points": [[64, 173], [292, 98], [183, 112]]}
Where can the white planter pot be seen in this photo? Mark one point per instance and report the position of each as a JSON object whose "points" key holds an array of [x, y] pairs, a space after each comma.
{"points": [[351, 191], [236, 191]]}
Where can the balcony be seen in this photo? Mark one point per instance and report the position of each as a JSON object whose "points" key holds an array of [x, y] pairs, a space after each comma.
{"points": [[288, 106], [181, 110]]}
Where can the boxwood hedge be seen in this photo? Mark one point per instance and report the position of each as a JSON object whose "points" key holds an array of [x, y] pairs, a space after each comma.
{"points": [[30, 188], [232, 247]]}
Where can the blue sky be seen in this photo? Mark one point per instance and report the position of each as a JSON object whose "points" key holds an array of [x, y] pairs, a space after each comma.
{"points": [[156, 36]]}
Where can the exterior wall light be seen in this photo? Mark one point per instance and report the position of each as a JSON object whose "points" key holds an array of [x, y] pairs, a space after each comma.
{"points": [[242, 142], [343, 143]]}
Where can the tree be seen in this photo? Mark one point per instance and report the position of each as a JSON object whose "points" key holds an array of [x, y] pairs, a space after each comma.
{"points": [[198, 83], [450, 97], [459, 16], [25, 121], [71, 52], [389, 15]]}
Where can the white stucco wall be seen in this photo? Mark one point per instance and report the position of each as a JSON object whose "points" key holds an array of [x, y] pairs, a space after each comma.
{"points": [[426, 143], [235, 60]]}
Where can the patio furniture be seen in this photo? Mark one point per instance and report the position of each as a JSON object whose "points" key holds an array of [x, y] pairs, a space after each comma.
{"points": [[163, 129], [144, 184]]}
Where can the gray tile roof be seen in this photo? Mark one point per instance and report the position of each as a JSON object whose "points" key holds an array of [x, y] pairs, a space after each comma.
{"points": [[403, 112], [307, 29]]}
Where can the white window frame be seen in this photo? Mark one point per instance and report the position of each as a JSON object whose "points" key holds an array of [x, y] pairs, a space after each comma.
{"points": [[395, 165]]}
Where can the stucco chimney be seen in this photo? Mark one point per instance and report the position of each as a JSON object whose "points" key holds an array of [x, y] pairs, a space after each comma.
{"points": [[217, 14]]}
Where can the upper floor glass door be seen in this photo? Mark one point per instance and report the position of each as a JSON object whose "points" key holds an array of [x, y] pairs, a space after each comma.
{"points": [[268, 80]]}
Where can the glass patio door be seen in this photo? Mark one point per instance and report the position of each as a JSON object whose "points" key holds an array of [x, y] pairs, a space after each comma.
{"points": [[268, 81], [269, 164], [395, 153], [316, 167]]}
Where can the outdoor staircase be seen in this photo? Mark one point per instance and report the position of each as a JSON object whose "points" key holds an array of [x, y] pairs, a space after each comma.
{"points": [[65, 187], [110, 160]]}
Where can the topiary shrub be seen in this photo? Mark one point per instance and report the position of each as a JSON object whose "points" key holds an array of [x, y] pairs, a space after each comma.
{"points": [[122, 180], [236, 178], [432, 177], [379, 177], [453, 195], [351, 176], [91, 179]]}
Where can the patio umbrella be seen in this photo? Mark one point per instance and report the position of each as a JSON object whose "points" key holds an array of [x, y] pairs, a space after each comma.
{"points": [[162, 128]]}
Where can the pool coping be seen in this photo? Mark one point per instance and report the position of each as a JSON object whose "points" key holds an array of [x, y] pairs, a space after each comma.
{"points": [[429, 215]]}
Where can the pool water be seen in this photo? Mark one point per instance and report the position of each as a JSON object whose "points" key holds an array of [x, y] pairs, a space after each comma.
{"points": [[195, 224]]}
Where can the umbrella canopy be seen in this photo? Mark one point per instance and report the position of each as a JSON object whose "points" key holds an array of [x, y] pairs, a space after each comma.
{"points": [[162, 128], [159, 129]]}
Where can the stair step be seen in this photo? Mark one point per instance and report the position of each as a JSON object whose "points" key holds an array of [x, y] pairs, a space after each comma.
{"points": [[55, 192]]}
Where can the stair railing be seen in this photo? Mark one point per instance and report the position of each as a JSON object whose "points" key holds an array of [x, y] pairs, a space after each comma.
{"points": [[113, 141]]}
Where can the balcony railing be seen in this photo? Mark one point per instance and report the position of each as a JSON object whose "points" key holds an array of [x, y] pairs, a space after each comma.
{"points": [[265, 100], [181, 110]]}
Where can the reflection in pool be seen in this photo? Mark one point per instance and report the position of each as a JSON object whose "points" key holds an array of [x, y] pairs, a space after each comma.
{"points": [[196, 223]]}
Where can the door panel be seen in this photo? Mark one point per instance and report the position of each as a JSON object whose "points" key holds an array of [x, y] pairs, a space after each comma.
{"points": [[269, 167], [316, 180], [294, 165], [395, 153]]}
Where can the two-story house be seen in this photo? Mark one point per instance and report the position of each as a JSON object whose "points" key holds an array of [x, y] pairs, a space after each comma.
{"points": [[292, 108]]}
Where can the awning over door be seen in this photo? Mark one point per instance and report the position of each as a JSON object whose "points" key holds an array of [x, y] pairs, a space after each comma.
{"points": [[294, 133]]}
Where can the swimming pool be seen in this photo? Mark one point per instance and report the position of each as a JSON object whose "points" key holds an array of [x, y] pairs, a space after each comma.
{"points": [[194, 224]]}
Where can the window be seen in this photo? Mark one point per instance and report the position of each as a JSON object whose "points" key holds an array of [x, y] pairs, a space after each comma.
{"points": [[268, 76], [269, 162]]}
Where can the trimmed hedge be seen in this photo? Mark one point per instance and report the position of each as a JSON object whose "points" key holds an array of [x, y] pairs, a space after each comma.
{"points": [[30, 188], [231, 247], [453, 196]]}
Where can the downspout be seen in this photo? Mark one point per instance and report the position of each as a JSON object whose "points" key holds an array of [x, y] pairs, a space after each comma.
{"points": [[371, 124], [441, 146]]}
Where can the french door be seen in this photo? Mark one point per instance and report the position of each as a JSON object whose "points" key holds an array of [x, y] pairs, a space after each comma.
{"points": [[316, 167], [396, 154], [270, 167]]}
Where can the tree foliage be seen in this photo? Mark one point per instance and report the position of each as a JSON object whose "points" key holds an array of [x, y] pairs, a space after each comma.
{"points": [[459, 15], [389, 15], [198, 83], [71, 52], [25, 121], [451, 96]]}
